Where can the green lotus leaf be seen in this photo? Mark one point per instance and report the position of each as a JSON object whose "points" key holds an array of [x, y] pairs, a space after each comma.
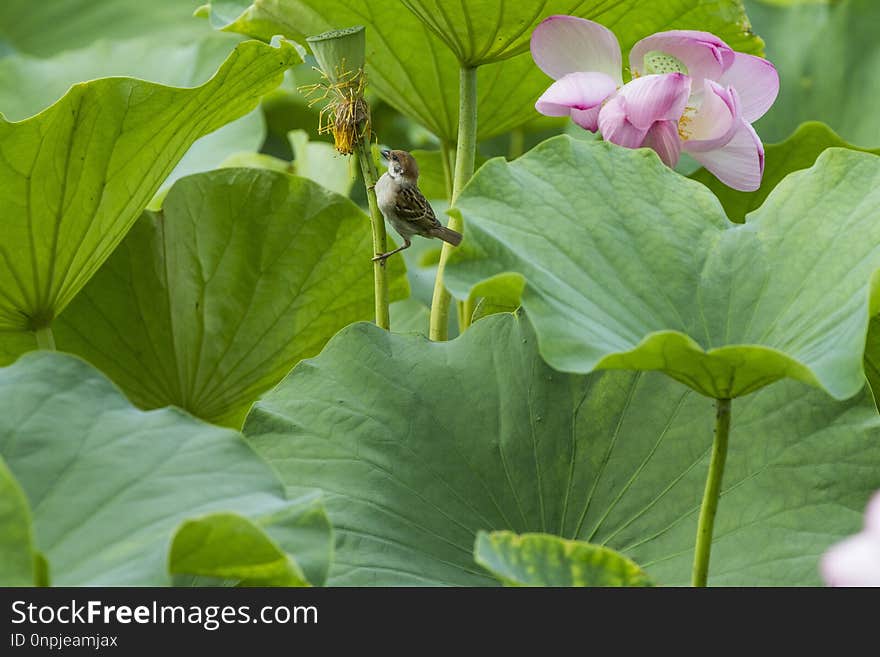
{"points": [[157, 41], [410, 316], [47, 28], [545, 560], [418, 446], [211, 301], [485, 31], [14, 343], [303, 531], [228, 547], [499, 294], [629, 265], [31, 84], [75, 177], [18, 559], [827, 54], [433, 181], [797, 152], [319, 161], [28, 85], [257, 552], [109, 484], [432, 177], [486, 306], [252, 160], [412, 68]]}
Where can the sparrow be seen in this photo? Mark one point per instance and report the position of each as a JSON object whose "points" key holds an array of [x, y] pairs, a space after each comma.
{"points": [[404, 206]]}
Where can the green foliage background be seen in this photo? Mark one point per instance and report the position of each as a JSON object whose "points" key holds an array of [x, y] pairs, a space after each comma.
{"points": [[222, 414]]}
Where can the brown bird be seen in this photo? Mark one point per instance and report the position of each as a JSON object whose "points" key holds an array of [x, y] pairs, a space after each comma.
{"points": [[404, 206]]}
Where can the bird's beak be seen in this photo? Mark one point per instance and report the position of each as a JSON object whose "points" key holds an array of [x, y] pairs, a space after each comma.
{"points": [[385, 154]]}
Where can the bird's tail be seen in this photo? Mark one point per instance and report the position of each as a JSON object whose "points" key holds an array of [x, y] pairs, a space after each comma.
{"points": [[447, 235]]}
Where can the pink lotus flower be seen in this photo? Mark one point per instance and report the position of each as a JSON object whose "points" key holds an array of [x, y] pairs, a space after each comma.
{"points": [[690, 92], [855, 561]]}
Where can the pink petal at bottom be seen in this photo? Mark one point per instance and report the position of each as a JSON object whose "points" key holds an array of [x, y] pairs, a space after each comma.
{"points": [[616, 127], [872, 515], [587, 119], [663, 138], [854, 561], [739, 164]]}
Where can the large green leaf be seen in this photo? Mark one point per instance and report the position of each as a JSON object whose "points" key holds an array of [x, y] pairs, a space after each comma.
{"points": [[489, 30], [17, 555], [315, 160], [418, 446], [433, 180], [109, 484], [502, 293], [410, 316], [211, 301], [14, 343], [432, 176], [257, 552], [320, 162], [797, 152], [75, 177], [828, 55], [410, 67], [545, 560], [231, 547], [252, 161], [28, 85], [47, 28], [629, 265]]}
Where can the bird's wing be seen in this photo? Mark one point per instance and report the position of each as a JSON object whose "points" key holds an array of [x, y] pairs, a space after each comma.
{"points": [[412, 206]]}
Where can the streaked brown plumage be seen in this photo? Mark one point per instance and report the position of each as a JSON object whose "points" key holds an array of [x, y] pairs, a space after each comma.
{"points": [[404, 206]]}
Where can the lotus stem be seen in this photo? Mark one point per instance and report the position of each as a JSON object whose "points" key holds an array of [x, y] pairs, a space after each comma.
{"points": [[712, 493], [45, 338], [380, 278], [346, 114], [465, 156]]}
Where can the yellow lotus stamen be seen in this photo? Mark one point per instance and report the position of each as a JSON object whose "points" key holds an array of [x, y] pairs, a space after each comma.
{"points": [[684, 123], [345, 113]]}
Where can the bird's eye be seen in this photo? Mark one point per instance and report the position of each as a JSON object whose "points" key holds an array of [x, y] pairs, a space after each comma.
{"points": [[394, 157]]}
